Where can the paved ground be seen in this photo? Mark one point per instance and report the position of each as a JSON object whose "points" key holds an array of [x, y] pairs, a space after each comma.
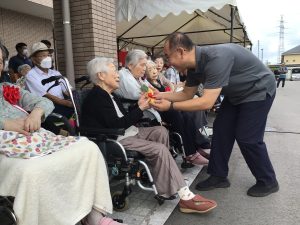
{"points": [[144, 209], [283, 140]]}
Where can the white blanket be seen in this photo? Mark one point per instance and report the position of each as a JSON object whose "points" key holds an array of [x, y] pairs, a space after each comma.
{"points": [[57, 189]]}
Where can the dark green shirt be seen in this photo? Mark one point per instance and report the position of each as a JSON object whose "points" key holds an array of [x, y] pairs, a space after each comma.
{"points": [[240, 74]]}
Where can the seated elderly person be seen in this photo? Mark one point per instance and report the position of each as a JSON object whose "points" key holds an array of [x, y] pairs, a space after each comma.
{"points": [[159, 61], [103, 110], [58, 188], [40, 56], [187, 124], [191, 130], [22, 71]]}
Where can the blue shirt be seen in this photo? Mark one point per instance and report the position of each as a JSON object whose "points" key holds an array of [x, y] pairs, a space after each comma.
{"points": [[17, 61]]}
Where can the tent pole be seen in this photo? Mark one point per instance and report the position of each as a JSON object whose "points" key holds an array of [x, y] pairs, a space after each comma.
{"points": [[233, 37], [189, 32], [118, 51], [132, 26], [132, 42], [152, 52], [244, 37], [231, 23]]}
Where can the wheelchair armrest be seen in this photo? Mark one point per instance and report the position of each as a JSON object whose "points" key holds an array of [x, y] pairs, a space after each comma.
{"points": [[55, 122], [101, 131], [59, 116]]}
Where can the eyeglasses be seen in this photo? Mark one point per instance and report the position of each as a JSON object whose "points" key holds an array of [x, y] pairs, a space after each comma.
{"points": [[170, 54]]}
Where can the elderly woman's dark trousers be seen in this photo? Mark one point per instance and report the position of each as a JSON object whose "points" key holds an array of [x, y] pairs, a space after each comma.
{"points": [[187, 125], [246, 124]]}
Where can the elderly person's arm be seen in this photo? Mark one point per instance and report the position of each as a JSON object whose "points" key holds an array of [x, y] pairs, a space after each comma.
{"points": [[59, 101], [165, 82], [35, 86], [39, 108], [107, 114]]}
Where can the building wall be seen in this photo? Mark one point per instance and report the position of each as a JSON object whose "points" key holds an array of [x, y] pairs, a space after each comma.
{"points": [[48, 3], [17, 27], [93, 30], [292, 59]]}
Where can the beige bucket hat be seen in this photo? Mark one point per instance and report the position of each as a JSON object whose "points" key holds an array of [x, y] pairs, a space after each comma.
{"points": [[39, 46]]}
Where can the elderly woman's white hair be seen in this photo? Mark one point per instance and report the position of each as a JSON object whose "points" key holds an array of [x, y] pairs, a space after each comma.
{"points": [[134, 56], [98, 65], [23, 66], [150, 63]]}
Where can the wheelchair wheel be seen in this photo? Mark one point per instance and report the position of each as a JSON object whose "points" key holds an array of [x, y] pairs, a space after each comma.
{"points": [[120, 203]]}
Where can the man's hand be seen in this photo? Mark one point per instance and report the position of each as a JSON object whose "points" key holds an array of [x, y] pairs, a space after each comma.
{"points": [[33, 121], [161, 105], [158, 95], [16, 125]]}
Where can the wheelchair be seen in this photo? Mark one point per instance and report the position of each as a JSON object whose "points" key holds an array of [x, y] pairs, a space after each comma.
{"points": [[7, 215], [122, 164], [176, 143]]}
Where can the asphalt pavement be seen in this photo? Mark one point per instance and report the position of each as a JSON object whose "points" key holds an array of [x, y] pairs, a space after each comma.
{"points": [[282, 137]]}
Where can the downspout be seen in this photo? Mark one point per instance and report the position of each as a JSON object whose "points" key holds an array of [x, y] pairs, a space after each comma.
{"points": [[69, 63], [231, 23]]}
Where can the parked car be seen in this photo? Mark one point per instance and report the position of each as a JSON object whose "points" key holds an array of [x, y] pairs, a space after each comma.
{"points": [[295, 74]]}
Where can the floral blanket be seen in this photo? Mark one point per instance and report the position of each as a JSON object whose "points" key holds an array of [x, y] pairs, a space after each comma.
{"points": [[43, 142]]}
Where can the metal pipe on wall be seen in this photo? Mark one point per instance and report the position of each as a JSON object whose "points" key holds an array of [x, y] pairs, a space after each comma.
{"points": [[69, 62], [231, 22]]}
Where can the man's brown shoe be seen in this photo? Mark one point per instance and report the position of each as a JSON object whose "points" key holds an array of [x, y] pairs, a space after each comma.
{"points": [[198, 204]]}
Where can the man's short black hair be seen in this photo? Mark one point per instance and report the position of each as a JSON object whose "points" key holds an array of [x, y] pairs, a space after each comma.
{"points": [[20, 45], [178, 39], [47, 43]]}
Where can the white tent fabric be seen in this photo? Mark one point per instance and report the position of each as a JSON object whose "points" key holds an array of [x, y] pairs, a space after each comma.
{"points": [[146, 23], [137, 9]]}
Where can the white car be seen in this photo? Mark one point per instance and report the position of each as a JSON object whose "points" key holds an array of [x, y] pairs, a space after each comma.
{"points": [[295, 74]]}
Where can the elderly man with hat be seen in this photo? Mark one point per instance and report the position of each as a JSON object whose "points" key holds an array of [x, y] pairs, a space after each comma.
{"points": [[40, 56]]}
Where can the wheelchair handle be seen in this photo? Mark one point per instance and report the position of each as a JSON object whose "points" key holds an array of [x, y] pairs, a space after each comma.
{"points": [[56, 78], [51, 79]]}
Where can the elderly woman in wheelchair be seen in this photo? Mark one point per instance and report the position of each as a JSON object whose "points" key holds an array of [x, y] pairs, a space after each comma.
{"points": [[53, 179], [101, 109], [187, 124]]}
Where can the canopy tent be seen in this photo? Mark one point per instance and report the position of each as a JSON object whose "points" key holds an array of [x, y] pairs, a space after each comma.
{"points": [[146, 23]]}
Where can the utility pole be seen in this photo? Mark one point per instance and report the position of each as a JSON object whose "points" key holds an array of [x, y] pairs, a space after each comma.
{"points": [[281, 39], [262, 55]]}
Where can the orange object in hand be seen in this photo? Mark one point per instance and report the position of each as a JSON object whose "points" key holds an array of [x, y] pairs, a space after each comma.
{"points": [[149, 92]]}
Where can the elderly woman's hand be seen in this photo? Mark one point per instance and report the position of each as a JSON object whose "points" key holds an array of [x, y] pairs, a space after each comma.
{"points": [[16, 125], [33, 121], [143, 102]]}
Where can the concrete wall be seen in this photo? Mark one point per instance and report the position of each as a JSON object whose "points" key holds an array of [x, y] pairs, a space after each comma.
{"points": [[17, 27]]}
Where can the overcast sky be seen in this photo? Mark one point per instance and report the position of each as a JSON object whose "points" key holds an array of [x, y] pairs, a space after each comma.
{"points": [[262, 20]]}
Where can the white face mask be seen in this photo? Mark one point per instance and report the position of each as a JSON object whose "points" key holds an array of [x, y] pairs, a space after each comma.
{"points": [[25, 52], [46, 63], [5, 68]]}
